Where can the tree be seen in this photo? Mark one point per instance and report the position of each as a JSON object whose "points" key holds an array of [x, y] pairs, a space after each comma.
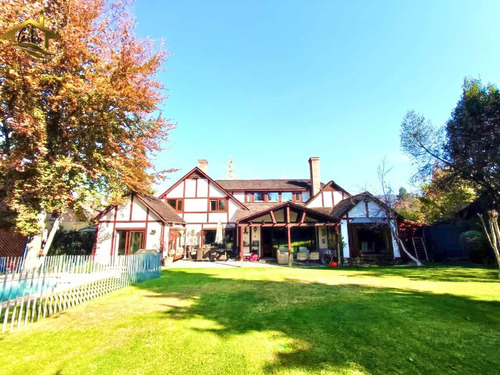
{"points": [[470, 151], [83, 125], [391, 215], [444, 196], [408, 206]]}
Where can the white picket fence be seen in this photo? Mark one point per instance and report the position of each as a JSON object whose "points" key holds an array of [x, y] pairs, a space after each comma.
{"points": [[55, 283]]}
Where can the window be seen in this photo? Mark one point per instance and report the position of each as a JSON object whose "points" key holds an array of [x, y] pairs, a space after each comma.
{"points": [[218, 205], [258, 197], [176, 204], [273, 197], [129, 241], [305, 196], [286, 197], [208, 237]]}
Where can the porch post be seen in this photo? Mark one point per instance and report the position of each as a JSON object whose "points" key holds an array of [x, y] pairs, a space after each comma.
{"points": [[337, 232], [290, 257], [240, 229]]}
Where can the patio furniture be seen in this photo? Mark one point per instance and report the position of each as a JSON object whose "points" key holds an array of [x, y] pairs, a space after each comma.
{"points": [[282, 255], [302, 254], [192, 252], [220, 254], [207, 251], [199, 254], [314, 256]]}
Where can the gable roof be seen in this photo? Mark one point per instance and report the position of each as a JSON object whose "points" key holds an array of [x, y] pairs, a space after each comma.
{"points": [[330, 184], [204, 175], [261, 209], [348, 204], [269, 184], [164, 212]]}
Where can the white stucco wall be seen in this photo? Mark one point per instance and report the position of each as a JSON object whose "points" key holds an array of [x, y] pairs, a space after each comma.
{"points": [[215, 192], [322, 237], [153, 236], [103, 244], [139, 211], [358, 211], [345, 238], [202, 187], [327, 199], [374, 210], [177, 192], [240, 196], [195, 205], [195, 218], [190, 190]]}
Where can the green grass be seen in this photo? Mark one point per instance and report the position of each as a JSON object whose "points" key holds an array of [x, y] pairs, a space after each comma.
{"points": [[377, 320]]}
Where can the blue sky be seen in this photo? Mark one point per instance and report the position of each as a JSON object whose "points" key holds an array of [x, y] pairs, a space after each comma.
{"points": [[272, 83]]}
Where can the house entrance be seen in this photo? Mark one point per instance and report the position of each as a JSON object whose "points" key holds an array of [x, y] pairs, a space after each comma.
{"points": [[369, 239], [129, 241], [272, 239]]}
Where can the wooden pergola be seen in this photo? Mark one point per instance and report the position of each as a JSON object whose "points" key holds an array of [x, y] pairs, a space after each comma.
{"points": [[287, 215]]}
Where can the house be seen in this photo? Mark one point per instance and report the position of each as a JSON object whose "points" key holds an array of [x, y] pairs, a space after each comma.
{"points": [[263, 217], [140, 222]]}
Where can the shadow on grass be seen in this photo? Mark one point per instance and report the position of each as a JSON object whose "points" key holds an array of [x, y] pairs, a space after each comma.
{"points": [[336, 328]]}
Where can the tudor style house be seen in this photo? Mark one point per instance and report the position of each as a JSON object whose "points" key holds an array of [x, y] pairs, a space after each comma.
{"points": [[266, 217]]}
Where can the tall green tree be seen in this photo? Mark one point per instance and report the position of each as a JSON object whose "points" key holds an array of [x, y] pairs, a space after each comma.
{"points": [[84, 124], [469, 150]]}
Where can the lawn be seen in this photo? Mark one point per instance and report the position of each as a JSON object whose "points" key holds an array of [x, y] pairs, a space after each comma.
{"points": [[380, 320]]}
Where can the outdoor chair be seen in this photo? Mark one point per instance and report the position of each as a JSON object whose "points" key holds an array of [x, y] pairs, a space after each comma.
{"points": [[314, 256], [199, 254], [207, 253], [282, 255], [303, 254]]}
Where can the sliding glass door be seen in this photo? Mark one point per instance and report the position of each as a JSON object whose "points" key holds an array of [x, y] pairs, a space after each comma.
{"points": [[129, 241]]}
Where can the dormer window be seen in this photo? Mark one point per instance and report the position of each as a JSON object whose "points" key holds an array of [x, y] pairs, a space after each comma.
{"points": [[259, 197], [273, 197]]}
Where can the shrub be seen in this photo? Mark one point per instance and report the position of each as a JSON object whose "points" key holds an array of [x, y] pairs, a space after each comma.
{"points": [[72, 243], [475, 244]]}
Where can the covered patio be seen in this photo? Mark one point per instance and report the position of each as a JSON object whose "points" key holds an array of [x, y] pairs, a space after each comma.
{"points": [[288, 231]]}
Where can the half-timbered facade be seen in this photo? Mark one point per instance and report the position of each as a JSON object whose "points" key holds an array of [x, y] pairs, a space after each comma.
{"points": [[256, 216], [262, 216], [139, 222]]}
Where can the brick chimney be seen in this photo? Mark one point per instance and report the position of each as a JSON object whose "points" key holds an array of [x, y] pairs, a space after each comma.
{"points": [[203, 165], [315, 179]]}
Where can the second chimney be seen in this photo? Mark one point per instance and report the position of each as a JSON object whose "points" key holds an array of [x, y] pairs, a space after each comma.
{"points": [[203, 165], [315, 179]]}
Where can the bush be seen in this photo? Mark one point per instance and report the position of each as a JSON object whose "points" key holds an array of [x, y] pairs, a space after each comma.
{"points": [[475, 244], [72, 243]]}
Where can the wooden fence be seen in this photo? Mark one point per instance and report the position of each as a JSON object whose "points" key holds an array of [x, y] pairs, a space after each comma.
{"points": [[55, 283]]}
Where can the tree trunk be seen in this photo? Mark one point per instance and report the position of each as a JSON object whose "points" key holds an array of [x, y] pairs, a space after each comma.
{"points": [[50, 238], [493, 235], [401, 244], [35, 244]]}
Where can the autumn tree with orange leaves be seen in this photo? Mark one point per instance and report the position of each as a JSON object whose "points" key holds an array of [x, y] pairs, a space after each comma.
{"points": [[83, 124]]}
